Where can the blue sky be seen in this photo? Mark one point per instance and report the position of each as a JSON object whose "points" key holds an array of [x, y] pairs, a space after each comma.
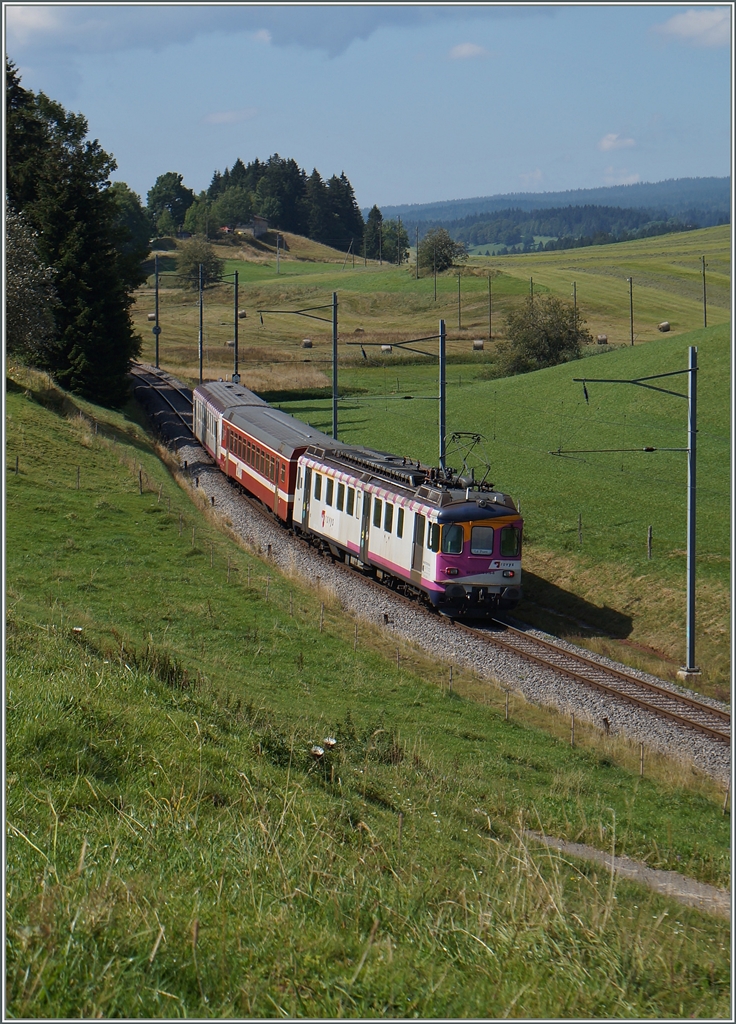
{"points": [[416, 103]]}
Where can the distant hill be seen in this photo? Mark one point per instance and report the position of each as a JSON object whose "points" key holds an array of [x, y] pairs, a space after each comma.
{"points": [[705, 201]]}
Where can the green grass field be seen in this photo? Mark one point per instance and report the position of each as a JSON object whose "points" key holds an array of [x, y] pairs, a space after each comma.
{"points": [[173, 850]]}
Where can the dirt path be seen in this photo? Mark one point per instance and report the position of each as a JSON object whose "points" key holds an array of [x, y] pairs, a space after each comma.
{"points": [[669, 883]]}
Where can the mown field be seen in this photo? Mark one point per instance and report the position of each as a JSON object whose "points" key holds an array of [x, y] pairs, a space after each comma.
{"points": [[388, 304], [174, 850]]}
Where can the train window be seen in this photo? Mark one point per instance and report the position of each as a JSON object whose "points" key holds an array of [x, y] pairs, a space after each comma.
{"points": [[271, 467], [510, 538], [400, 523], [340, 497], [329, 490], [388, 518], [452, 539], [433, 540], [481, 540], [298, 477], [376, 511], [350, 507], [247, 453], [317, 486], [283, 472]]}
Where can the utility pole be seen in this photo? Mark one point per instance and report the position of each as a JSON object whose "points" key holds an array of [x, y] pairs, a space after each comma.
{"points": [[459, 310], [417, 252], [434, 263], [692, 433], [156, 329], [705, 308], [531, 290], [575, 301], [380, 242], [365, 258], [398, 243], [443, 393], [278, 265], [334, 365], [236, 373], [201, 318], [490, 310], [631, 306]]}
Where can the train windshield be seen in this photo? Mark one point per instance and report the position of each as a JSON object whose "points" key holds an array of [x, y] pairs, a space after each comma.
{"points": [[481, 540], [510, 542], [452, 539]]}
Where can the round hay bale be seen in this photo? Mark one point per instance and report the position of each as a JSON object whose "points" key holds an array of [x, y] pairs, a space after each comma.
{"points": [[602, 339], [307, 343], [151, 317], [664, 326], [478, 344], [386, 348]]}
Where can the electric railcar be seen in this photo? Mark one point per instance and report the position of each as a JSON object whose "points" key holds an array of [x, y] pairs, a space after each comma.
{"points": [[422, 530]]}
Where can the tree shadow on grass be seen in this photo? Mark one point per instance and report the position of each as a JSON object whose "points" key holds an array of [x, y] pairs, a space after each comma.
{"points": [[563, 613]]}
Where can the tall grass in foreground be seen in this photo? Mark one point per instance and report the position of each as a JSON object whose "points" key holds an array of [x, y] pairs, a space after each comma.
{"points": [[174, 853]]}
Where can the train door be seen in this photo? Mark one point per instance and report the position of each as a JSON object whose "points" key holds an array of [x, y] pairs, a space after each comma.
{"points": [[365, 524], [306, 495], [417, 552]]}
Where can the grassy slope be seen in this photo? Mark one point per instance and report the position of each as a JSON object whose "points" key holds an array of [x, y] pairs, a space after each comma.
{"points": [[617, 495], [388, 303], [173, 850]]}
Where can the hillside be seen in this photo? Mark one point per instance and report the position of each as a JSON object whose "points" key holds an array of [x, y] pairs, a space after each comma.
{"points": [[710, 196], [174, 850]]}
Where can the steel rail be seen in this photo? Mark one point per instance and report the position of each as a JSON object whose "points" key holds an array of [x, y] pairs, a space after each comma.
{"points": [[523, 644], [141, 372]]}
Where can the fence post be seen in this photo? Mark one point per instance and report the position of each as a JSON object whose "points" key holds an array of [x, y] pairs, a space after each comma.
{"points": [[194, 531], [268, 584], [580, 527], [641, 760], [728, 793], [450, 679], [507, 705], [181, 524], [649, 543], [291, 603], [16, 465], [572, 730], [321, 617], [355, 641]]}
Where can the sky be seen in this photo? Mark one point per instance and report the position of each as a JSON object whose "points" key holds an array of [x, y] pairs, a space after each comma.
{"points": [[415, 102]]}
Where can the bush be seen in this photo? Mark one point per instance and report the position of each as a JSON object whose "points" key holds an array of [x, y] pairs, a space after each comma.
{"points": [[542, 332]]}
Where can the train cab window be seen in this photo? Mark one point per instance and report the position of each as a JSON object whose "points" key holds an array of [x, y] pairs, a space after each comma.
{"points": [[340, 497], [510, 539], [377, 511], [433, 540], [481, 540], [400, 523], [388, 518], [317, 486], [329, 490], [350, 507], [452, 539], [298, 477]]}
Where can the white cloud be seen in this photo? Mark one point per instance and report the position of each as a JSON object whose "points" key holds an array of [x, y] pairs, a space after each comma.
{"points": [[613, 141], [25, 24], [467, 51], [262, 36], [620, 176], [230, 116], [704, 26], [532, 178]]}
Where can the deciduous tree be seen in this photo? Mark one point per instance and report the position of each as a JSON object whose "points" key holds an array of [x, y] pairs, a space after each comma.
{"points": [[542, 332], [30, 297], [191, 254], [438, 250]]}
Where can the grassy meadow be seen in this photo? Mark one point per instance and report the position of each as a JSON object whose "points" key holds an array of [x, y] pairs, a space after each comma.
{"points": [[173, 849], [604, 592]]}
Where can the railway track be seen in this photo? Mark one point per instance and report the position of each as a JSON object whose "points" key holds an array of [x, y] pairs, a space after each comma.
{"points": [[687, 711]]}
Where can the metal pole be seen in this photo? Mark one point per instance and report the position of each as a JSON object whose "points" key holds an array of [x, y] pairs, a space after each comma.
{"points": [[443, 394], [278, 264], [631, 306], [201, 312], [575, 301], [235, 321], [705, 309], [334, 365], [434, 263], [459, 311], [692, 430], [156, 329], [490, 310], [380, 242], [531, 289], [417, 252], [398, 243]]}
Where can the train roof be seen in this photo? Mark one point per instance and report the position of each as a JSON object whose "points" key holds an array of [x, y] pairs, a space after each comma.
{"points": [[224, 396], [457, 503], [275, 429]]}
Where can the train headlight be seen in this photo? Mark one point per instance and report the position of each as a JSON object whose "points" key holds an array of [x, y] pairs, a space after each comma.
{"points": [[508, 573], [451, 571]]}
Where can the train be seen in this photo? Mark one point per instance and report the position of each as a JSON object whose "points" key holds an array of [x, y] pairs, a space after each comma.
{"points": [[425, 531]]}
